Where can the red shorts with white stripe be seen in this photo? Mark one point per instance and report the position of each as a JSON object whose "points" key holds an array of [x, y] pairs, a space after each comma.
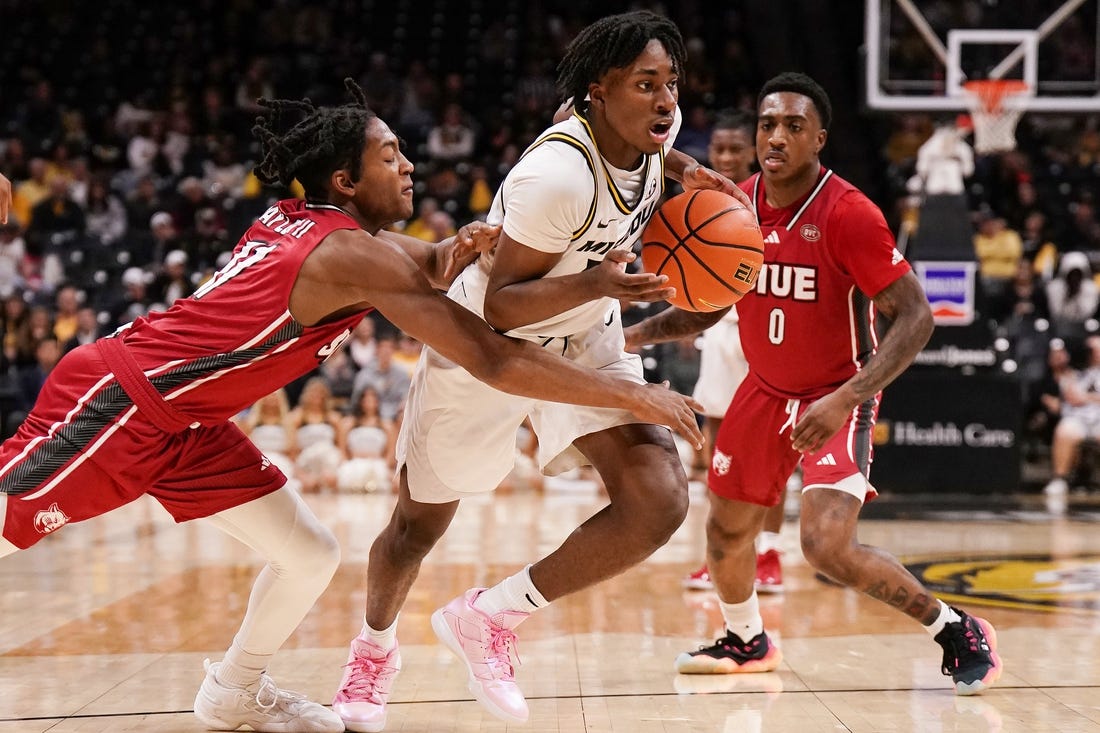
{"points": [[85, 449], [753, 457]]}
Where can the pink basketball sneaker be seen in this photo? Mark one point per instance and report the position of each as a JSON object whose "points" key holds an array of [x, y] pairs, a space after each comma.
{"points": [[487, 646], [769, 572], [365, 688], [699, 580]]}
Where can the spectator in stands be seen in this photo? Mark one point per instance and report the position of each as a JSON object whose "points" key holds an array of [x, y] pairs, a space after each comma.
{"points": [[339, 373], [190, 199], [385, 376], [909, 132], [145, 151], [142, 204], [419, 226], [1080, 420], [361, 345], [16, 330], [368, 439], [57, 222], [999, 250], [39, 325], [87, 329], [67, 302], [452, 140], [1024, 300], [1044, 397], [316, 426], [163, 238], [208, 239], [408, 352], [224, 174], [173, 281], [30, 192], [1073, 295], [1039, 249], [29, 381], [105, 214], [1084, 228], [481, 193], [134, 299]]}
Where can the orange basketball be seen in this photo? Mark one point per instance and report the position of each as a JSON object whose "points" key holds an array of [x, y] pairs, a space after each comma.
{"points": [[708, 244]]}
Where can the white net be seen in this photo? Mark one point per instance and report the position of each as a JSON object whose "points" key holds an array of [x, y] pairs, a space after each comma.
{"points": [[994, 123]]}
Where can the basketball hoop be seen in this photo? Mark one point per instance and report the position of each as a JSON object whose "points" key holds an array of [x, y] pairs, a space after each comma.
{"points": [[994, 124]]}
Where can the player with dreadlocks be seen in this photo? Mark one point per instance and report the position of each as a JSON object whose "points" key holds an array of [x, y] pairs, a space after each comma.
{"points": [[147, 410], [571, 209]]}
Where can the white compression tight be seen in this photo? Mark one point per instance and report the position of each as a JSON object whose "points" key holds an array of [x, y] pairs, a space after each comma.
{"points": [[301, 554]]}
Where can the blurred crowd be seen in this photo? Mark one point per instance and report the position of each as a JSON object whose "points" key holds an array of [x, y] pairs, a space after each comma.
{"points": [[126, 132]]}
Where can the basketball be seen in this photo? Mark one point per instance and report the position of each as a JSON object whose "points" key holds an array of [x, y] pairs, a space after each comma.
{"points": [[708, 244]]}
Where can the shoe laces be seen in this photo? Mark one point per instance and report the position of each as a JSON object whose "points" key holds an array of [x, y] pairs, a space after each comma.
{"points": [[269, 696], [501, 650], [732, 642], [961, 644], [366, 676]]}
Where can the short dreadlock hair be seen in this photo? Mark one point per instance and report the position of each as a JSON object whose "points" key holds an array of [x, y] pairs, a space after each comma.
{"points": [[793, 81], [325, 140], [736, 119], [612, 43]]}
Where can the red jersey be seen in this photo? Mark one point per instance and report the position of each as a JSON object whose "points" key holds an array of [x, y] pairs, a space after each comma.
{"points": [[808, 325], [218, 351]]}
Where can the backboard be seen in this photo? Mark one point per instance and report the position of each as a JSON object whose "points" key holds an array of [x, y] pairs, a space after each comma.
{"points": [[920, 53]]}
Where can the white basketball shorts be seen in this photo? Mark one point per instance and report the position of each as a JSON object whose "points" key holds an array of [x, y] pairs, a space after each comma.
{"points": [[458, 435]]}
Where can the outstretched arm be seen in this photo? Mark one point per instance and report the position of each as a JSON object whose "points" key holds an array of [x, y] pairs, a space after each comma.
{"points": [[347, 272], [906, 305], [442, 261], [669, 325], [691, 174]]}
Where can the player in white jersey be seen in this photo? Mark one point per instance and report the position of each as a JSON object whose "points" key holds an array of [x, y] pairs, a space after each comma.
{"points": [[572, 209]]}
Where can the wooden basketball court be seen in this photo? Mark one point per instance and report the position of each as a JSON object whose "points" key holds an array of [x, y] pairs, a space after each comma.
{"points": [[104, 626]]}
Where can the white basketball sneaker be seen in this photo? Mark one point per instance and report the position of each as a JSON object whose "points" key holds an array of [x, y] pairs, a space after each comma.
{"points": [[261, 706]]}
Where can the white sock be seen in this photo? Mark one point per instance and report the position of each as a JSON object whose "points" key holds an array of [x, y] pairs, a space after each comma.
{"points": [[743, 618], [947, 616], [385, 639], [241, 669], [514, 593], [767, 541]]}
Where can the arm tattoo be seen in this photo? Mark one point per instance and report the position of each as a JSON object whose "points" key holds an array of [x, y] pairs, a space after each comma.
{"points": [[905, 304], [671, 324]]}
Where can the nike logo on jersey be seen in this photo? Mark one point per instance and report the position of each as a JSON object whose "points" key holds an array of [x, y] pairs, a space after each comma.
{"points": [[605, 224]]}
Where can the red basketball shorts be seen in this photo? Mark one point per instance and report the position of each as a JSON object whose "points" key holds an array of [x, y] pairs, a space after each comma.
{"points": [[753, 457], [85, 449]]}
